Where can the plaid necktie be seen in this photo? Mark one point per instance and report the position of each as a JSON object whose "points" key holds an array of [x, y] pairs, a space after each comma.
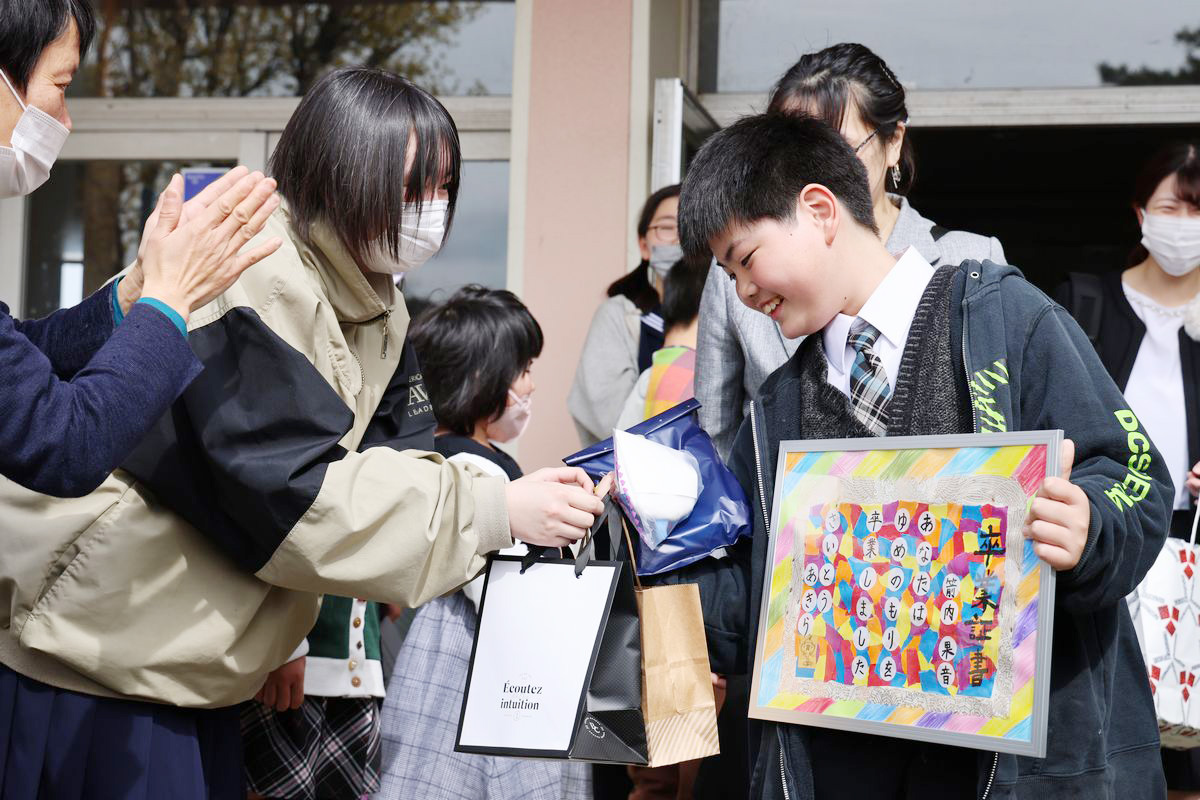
{"points": [[869, 389]]}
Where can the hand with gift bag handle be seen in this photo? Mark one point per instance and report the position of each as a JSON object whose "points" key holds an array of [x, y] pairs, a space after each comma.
{"points": [[552, 507]]}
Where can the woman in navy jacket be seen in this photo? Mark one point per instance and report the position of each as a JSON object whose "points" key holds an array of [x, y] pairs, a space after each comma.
{"points": [[79, 392]]}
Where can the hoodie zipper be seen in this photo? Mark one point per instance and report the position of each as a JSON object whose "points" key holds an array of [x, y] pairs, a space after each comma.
{"points": [[787, 795], [967, 376], [762, 497], [987, 789]]}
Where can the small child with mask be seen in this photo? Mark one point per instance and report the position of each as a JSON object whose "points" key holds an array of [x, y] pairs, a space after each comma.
{"points": [[475, 351]]}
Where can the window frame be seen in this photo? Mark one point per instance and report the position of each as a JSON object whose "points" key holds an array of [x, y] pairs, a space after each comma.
{"points": [[241, 129]]}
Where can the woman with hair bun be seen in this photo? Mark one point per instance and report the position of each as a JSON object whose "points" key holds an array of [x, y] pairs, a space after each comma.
{"points": [[853, 90]]}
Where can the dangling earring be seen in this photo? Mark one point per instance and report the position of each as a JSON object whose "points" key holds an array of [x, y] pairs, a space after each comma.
{"points": [[896, 175]]}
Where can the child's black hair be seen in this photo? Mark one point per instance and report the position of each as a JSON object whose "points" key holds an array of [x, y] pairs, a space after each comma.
{"points": [[757, 167], [472, 348], [636, 284], [682, 289]]}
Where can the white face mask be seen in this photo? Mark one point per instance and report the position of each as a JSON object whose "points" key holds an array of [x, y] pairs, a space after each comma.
{"points": [[515, 419], [1173, 241], [36, 142], [420, 239], [663, 257]]}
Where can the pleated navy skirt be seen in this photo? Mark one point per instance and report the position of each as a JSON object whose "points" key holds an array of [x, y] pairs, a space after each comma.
{"points": [[70, 746]]}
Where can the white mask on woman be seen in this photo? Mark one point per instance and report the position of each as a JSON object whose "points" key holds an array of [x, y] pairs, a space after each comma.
{"points": [[515, 419], [1173, 241], [421, 238], [37, 140]]}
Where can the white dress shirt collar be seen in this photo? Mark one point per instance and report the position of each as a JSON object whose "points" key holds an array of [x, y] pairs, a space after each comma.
{"points": [[890, 309]]}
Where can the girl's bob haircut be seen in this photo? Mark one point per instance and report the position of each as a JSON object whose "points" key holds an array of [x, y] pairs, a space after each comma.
{"points": [[341, 159]]}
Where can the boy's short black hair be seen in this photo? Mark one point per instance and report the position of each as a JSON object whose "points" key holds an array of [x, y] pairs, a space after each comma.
{"points": [[757, 167], [682, 289], [471, 349], [27, 27]]}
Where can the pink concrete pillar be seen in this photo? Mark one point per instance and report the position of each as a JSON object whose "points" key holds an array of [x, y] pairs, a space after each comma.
{"points": [[576, 194]]}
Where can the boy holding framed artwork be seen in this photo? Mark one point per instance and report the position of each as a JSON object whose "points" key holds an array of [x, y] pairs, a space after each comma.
{"points": [[894, 348]]}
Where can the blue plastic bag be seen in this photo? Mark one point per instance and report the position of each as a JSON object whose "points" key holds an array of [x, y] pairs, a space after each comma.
{"points": [[721, 515]]}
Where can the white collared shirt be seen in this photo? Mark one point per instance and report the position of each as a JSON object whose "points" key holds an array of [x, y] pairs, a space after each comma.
{"points": [[890, 309]]}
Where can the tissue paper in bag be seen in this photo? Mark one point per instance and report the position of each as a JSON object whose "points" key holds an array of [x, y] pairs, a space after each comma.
{"points": [[655, 484]]}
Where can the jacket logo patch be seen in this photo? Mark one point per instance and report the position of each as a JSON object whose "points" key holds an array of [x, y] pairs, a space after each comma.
{"points": [[418, 397], [983, 383], [1136, 484]]}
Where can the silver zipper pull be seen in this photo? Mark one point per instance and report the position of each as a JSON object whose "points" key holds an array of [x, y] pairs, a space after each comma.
{"points": [[387, 315]]}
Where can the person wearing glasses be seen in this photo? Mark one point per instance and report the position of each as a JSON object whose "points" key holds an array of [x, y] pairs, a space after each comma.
{"points": [[852, 89], [627, 328]]}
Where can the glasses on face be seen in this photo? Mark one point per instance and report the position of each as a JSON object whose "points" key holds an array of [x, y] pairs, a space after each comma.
{"points": [[863, 143], [667, 232]]}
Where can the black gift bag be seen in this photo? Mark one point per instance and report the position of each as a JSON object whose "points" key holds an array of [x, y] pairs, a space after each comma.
{"points": [[556, 664]]}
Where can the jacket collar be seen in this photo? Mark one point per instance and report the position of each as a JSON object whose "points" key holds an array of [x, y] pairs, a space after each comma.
{"points": [[913, 230], [354, 296]]}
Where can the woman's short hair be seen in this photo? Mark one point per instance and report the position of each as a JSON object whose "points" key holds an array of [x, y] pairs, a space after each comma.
{"points": [[341, 158], [636, 284], [1181, 159], [847, 75], [471, 349], [27, 27]]}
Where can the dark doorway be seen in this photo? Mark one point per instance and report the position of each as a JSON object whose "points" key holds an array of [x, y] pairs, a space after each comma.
{"points": [[1056, 197]]}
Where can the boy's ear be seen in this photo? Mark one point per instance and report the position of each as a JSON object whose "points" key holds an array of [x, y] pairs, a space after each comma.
{"points": [[820, 205]]}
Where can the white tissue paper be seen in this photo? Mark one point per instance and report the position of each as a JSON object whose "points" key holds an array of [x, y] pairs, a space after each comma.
{"points": [[655, 484]]}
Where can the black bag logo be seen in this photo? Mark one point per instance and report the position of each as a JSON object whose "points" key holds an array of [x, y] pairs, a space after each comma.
{"points": [[594, 728]]}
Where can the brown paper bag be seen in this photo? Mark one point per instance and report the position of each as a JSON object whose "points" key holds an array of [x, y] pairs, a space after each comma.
{"points": [[677, 692]]}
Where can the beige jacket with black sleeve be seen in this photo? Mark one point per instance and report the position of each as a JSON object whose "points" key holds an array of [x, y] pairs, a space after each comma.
{"points": [[283, 472]]}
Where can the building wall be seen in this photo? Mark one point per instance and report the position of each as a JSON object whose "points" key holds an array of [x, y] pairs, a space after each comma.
{"points": [[576, 193]]}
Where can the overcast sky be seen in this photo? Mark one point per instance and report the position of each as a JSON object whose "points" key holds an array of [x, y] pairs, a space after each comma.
{"points": [[937, 44]]}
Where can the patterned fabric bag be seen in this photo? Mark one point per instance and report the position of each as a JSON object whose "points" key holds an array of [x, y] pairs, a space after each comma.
{"points": [[1166, 616]]}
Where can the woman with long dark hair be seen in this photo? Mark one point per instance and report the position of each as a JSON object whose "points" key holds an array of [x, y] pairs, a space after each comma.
{"points": [[853, 90], [627, 328], [1144, 321]]}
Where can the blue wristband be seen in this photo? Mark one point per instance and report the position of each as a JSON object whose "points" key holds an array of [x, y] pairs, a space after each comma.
{"points": [[118, 314], [171, 313]]}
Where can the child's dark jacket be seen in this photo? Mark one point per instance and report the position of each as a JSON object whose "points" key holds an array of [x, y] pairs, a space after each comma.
{"points": [[1025, 365]]}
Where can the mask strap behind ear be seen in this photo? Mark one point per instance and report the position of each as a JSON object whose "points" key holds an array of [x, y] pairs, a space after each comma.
{"points": [[12, 89]]}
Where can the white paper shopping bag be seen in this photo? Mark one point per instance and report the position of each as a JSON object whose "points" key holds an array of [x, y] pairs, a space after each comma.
{"points": [[1166, 615]]}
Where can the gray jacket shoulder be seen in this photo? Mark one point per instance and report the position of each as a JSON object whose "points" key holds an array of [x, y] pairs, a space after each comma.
{"points": [[938, 245]]}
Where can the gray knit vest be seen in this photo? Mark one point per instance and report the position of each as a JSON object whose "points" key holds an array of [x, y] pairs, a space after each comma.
{"points": [[926, 400]]}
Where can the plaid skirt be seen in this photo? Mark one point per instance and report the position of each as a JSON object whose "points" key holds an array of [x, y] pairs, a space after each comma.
{"points": [[328, 749], [420, 724]]}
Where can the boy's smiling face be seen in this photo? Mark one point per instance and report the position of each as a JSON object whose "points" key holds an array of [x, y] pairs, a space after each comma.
{"points": [[784, 268]]}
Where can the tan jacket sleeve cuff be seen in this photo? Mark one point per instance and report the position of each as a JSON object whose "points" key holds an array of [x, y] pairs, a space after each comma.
{"points": [[491, 514]]}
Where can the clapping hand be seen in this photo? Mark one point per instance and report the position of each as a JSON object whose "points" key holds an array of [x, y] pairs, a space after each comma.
{"points": [[189, 252]]}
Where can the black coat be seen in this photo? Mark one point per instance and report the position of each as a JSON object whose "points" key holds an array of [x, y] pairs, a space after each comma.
{"points": [[1117, 333]]}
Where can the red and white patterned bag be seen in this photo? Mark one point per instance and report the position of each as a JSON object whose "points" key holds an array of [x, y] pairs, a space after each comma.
{"points": [[1166, 616]]}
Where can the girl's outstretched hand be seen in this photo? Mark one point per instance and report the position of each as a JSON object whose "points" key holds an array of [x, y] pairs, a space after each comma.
{"points": [[552, 507]]}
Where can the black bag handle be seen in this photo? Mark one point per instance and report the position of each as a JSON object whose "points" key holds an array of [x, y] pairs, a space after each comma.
{"points": [[612, 519], [587, 549]]}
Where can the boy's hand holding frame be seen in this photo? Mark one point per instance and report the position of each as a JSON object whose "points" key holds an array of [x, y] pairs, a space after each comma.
{"points": [[1059, 517]]}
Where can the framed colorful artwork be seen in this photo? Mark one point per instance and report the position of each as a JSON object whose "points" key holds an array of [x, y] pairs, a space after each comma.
{"points": [[902, 598]]}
